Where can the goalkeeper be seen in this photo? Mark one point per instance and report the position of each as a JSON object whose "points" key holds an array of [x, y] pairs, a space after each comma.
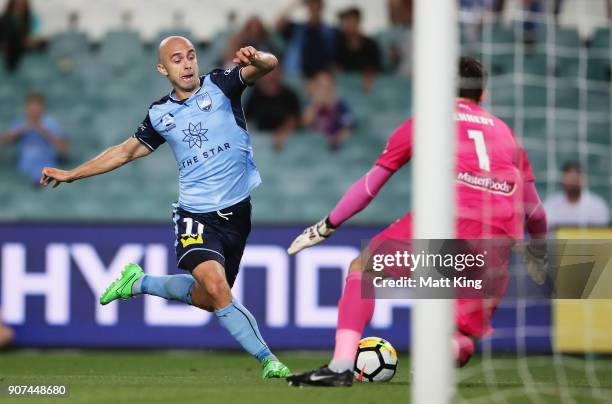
{"points": [[496, 199]]}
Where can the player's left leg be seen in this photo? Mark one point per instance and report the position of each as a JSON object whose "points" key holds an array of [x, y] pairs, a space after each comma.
{"points": [[355, 310], [134, 282], [473, 314]]}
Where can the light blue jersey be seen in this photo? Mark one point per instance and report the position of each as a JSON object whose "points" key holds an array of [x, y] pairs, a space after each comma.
{"points": [[208, 135]]}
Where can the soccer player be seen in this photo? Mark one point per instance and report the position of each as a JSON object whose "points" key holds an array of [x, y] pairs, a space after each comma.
{"points": [[203, 122], [495, 196]]}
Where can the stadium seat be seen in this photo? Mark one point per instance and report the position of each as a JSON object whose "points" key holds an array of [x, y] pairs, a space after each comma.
{"points": [[500, 33], [601, 38], [498, 62], [119, 49], [598, 66], [538, 159], [502, 92], [563, 37], [567, 94], [568, 66], [598, 129], [598, 99], [538, 64], [598, 162], [599, 55], [535, 95], [66, 47]]}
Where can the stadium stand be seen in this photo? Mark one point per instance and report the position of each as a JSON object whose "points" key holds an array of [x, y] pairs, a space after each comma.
{"points": [[100, 94]]}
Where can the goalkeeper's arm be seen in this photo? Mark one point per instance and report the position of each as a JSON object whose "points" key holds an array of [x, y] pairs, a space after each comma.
{"points": [[535, 222], [357, 198]]}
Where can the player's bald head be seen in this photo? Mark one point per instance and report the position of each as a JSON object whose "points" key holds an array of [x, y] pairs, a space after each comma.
{"points": [[173, 44], [178, 62]]}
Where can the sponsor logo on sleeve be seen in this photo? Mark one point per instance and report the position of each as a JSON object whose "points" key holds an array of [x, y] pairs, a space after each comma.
{"points": [[168, 122]]}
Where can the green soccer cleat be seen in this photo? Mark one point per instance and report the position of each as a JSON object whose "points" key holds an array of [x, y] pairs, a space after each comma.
{"points": [[122, 287], [274, 369]]}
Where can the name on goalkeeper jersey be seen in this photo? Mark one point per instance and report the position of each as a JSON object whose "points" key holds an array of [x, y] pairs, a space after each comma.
{"points": [[486, 183], [483, 120]]}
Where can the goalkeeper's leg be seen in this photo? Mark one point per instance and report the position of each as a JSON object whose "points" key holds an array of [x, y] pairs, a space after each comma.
{"points": [[355, 309], [354, 312], [356, 306]]}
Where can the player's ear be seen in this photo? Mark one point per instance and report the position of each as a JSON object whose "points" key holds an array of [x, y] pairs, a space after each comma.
{"points": [[162, 69], [483, 96]]}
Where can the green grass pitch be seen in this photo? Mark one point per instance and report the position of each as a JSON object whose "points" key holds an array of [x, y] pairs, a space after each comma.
{"points": [[227, 378]]}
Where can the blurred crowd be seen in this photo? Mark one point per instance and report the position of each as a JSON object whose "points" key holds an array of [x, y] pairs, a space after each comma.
{"points": [[313, 53], [312, 49]]}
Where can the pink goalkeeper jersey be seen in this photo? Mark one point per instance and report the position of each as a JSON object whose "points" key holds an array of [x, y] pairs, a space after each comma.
{"points": [[491, 167]]}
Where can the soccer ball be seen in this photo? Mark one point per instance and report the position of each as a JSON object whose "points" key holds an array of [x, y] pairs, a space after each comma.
{"points": [[376, 360]]}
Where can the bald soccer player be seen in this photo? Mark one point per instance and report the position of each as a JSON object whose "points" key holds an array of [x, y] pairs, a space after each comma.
{"points": [[203, 122]]}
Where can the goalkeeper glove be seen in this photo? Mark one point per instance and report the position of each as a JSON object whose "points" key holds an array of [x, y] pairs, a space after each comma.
{"points": [[312, 235], [536, 259]]}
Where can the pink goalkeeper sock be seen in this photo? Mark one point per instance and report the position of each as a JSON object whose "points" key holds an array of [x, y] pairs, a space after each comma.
{"points": [[463, 347], [354, 312]]}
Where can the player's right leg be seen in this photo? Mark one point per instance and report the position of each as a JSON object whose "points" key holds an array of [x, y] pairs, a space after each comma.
{"points": [[213, 291]]}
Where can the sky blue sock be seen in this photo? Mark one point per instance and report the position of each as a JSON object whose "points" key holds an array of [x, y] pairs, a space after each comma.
{"points": [[242, 325], [170, 287]]}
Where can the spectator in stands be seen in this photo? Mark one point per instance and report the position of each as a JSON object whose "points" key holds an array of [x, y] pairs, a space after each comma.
{"points": [[274, 108], [39, 138], [18, 31], [400, 12], [217, 48], [327, 113], [355, 51], [575, 205], [310, 45], [474, 13], [533, 12], [253, 33], [396, 41], [6, 335]]}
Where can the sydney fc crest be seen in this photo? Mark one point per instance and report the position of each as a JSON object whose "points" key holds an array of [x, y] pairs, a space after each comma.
{"points": [[204, 102], [195, 135]]}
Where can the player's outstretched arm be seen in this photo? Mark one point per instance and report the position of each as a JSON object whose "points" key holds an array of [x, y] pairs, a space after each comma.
{"points": [[256, 63], [357, 198], [536, 254], [110, 159]]}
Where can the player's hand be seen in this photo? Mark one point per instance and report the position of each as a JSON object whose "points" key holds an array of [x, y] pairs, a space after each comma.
{"points": [[311, 235], [536, 260], [246, 56], [53, 176]]}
